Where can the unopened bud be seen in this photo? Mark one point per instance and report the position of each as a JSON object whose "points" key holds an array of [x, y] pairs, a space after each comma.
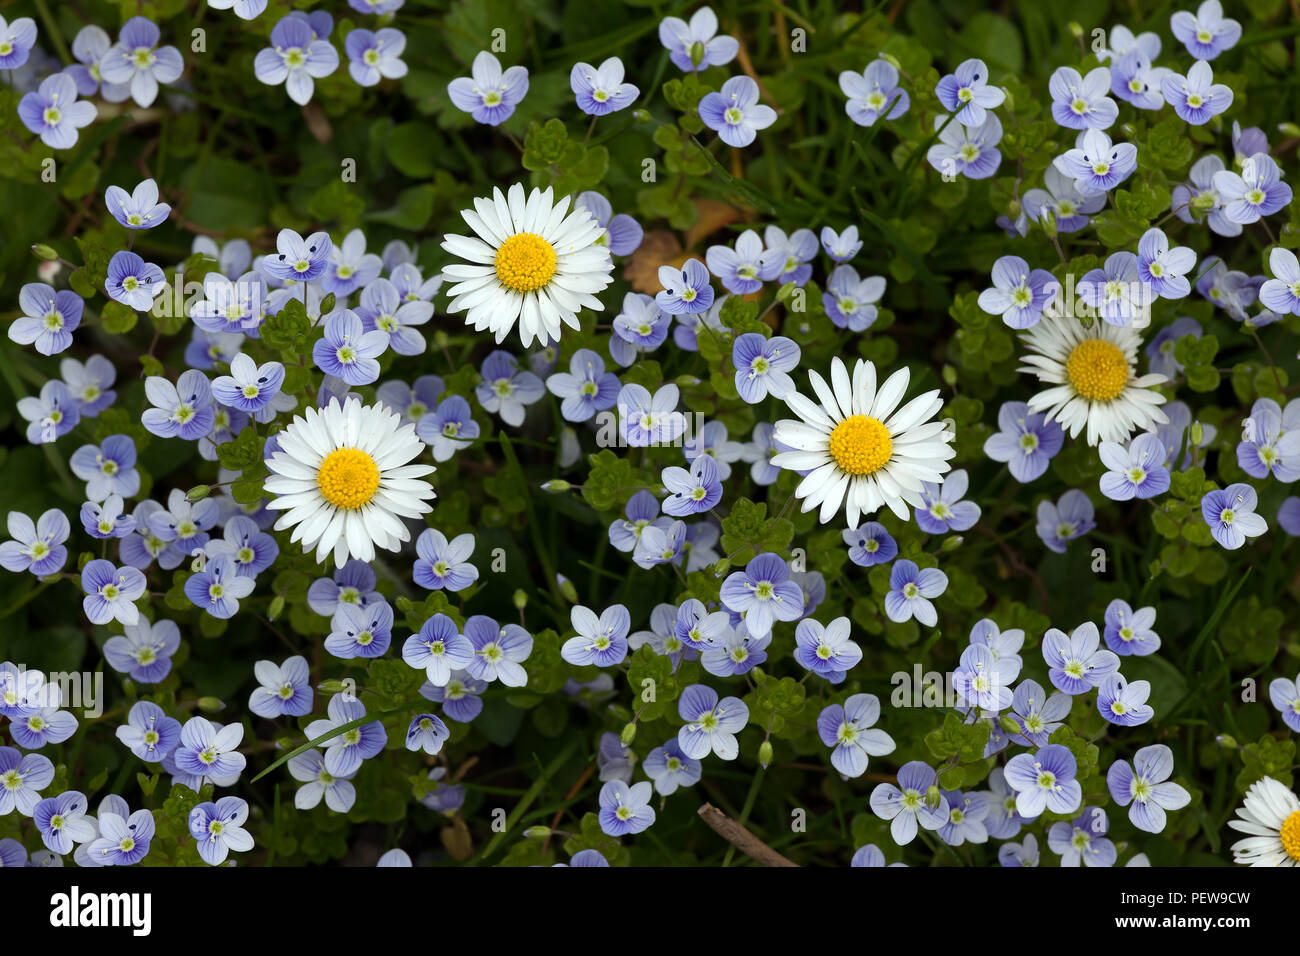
{"points": [[952, 543], [784, 293], [556, 485], [1288, 129], [1009, 724], [949, 375], [891, 60], [521, 599], [1197, 433], [1075, 28], [1204, 202], [765, 754], [567, 589], [1048, 221], [538, 832], [211, 705], [722, 567], [933, 796], [198, 492], [642, 116], [1226, 741], [332, 686], [697, 53], [276, 609], [42, 251], [628, 735]]}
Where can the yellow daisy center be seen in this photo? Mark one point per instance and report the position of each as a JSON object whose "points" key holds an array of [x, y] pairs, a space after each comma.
{"points": [[861, 445], [348, 478], [525, 262], [1097, 369], [1290, 834]]}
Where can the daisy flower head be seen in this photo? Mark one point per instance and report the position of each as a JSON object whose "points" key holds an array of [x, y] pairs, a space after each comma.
{"points": [[1270, 818], [527, 262], [343, 481], [860, 449], [1093, 379]]}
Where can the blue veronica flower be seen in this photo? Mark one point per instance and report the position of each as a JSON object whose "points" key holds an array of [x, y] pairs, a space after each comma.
{"points": [[448, 429], [694, 46], [645, 420], [966, 92], [1129, 632], [218, 828], [623, 234], [969, 151], [966, 814], [106, 520], [670, 768], [741, 269], [91, 383], [1230, 515], [249, 549], [662, 637], [850, 730], [1116, 293], [910, 590], [1083, 841], [411, 402], [208, 751], [205, 349], [122, 837], [710, 724], [308, 768], [736, 653], [1137, 471], [763, 365], [232, 306], [1207, 33], [600, 641], [249, 387], [141, 548], [49, 318], [942, 508], [42, 722], [1061, 522], [88, 49], [244, 9], [111, 592], [410, 283], [788, 258], [354, 583], [1281, 294], [52, 415], [1196, 200], [137, 60], [982, 680], [660, 543], [763, 593], [218, 587], [375, 55], [383, 308], [1160, 349], [438, 648], [1044, 781], [692, 492], [36, 547], [488, 94], [685, 290], [1075, 663], [144, 651], [698, 628], [1037, 713], [139, 209], [1004, 644], [1018, 294], [428, 733], [459, 696], [915, 802], [759, 451], [1063, 200], [1196, 98], [148, 732], [24, 776], [443, 563], [870, 855], [639, 328], [613, 760], [1024, 853], [1258, 191], [505, 390], [870, 544], [54, 113], [1229, 289], [1123, 702], [600, 91], [62, 821], [1143, 787], [350, 266], [445, 797], [624, 809], [826, 650], [873, 94], [1135, 80], [734, 113], [842, 246], [345, 752], [850, 301], [296, 57], [1096, 164], [1080, 102], [183, 410], [108, 469], [712, 440], [282, 688], [17, 38], [1285, 697], [499, 651], [133, 282], [363, 632], [347, 350], [1002, 821], [586, 388], [298, 259], [641, 509]]}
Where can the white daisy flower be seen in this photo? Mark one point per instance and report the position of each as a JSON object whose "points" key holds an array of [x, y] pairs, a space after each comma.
{"points": [[1092, 371], [1271, 817], [857, 449], [530, 261], [342, 480]]}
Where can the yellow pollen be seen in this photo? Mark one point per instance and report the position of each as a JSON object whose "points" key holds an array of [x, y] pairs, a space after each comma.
{"points": [[348, 478], [861, 445], [1291, 835], [1097, 369], [525, 262]]}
